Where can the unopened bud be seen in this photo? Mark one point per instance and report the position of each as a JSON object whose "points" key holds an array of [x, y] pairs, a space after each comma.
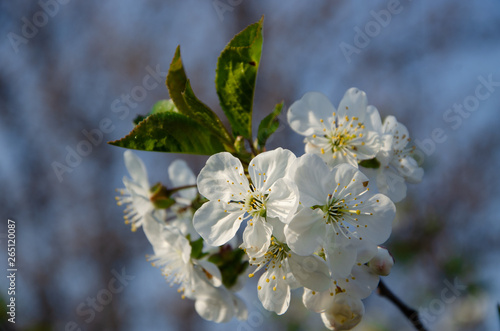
{"points": [[382, 263], [344, 312]]}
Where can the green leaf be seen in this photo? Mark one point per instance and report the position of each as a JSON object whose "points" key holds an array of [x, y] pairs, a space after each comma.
{"points": [[179, 88], [176, 82], [230, 263], [164, 106], [138, 119], [197, 248], [236, 75], [268, 125], [371, 163], [172, 133], [160, 106], [204, 115]]}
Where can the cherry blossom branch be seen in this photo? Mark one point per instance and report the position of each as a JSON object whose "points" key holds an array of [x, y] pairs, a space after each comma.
{"points": [[410, 313]]}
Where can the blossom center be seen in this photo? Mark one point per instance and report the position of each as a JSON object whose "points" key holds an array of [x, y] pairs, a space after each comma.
{"points": [[255, 203], [339, 137], [339, 215]]}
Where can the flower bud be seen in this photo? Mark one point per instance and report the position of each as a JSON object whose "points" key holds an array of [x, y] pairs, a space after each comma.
{"points": [[344, 312], [382, 263]]}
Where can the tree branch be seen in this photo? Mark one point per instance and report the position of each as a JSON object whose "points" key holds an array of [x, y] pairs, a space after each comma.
{"points": [[410, 313]]}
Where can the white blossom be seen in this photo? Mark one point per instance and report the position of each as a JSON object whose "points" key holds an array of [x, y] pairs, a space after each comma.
{"points": [[285, 270], [233, 199], [338, 213], [337, 136], [198, 280], [180, 175], [136, 193], [360, 283], [397, 165]]}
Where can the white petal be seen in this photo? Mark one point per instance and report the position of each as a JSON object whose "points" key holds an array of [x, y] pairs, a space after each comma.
{"points": [[181, 175], [409, 169], [391, 184], [386, 152], [372, 120], [136, 169], [353, 103], [176, 240], [362, 282], [340, 158], [215, 224], [305, 233], [278, 228], [366, 250], [344, 312], [184, 222], [305, 114], [318, 301], [257, 237], [241, 310], [310, 271], [221, 177], [382, 263], [377, 213], [215, 277], [270, 166], [348, 179], [371, 145], [274, 293], [398, 130], [283, 200], [139, 195], [312, 177], [340, 255], [215, 304], [152, 226]]}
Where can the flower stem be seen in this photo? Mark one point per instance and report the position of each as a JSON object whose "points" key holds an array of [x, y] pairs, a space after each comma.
{"points": [[252, 147], [185, 187], [410, 313]]}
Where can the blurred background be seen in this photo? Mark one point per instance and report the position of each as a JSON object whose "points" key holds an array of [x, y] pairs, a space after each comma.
{"points": [[67, 67]]}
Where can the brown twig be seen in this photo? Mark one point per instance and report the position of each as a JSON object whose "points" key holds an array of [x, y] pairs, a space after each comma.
{"points": [[410, 313]]}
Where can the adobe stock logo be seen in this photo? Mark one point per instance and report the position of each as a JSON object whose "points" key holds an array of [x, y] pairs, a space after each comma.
{"points": [[93, 305], [30, 28], [456, 115], [372, 29]]}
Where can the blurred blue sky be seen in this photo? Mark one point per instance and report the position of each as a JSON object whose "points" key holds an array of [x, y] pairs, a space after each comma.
{"points": [[66, 77]]}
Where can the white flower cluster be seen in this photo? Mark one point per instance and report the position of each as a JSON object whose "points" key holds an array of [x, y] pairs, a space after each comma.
{"points": [[313, 222], [197, 278]]}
